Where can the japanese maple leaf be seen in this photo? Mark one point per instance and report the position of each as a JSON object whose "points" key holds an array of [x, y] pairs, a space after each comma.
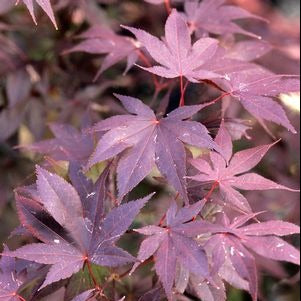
{"points": [[153, 295], [174, 244], [176, 54], [69, 144], [229, 172], [44, 4], [102, 40], [9, 280], [91, 238], [208, 292], [262, 238], [213, 16], [256, 88], [143, 140]]}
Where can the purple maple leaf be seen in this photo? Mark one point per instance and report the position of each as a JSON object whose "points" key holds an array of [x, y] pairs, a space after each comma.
{"points": [[207, 291], [152, 295], [262, 238], [91, 238], [174, 244], [9, 280], [229, 172], [69, 144], [213, 16], [256, 88], [44, 4], [143, 140], [175, 53], [102, 40]]}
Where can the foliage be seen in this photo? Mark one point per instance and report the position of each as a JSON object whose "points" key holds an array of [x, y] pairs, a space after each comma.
{"points": [[78, 227]]}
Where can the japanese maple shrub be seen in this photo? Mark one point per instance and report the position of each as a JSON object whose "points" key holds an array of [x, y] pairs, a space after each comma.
{"points": [[210, 234]]}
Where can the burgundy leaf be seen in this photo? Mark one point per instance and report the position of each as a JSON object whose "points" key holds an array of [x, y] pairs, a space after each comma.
{"points": [[215, 17], [102, 40], [170, 245], [91, 241], [253, 181], [176, 54], [69, 144], [147, 141], [256, 87], [226, 176], [165, 264], [274, 248], [45, 5], [278, 228]]}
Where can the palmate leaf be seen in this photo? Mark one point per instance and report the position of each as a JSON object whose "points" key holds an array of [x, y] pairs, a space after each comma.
{"points": [[103, 41], [68, 144], [261, 238], [44, 4], [215, 17], [229, 172], [9, 280], [256, 89], [171, 245], [176, 54], [88, 240], [143, 140]]}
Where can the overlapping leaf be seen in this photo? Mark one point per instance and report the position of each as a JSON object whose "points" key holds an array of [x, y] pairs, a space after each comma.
{"points": [[174, 244], [102, 40], [44, 4], [256, 88], [215, 17], [143, 140], [9, 280], [229, 172], [69, 144], [261, 238], [176, 55], [91, 238]]}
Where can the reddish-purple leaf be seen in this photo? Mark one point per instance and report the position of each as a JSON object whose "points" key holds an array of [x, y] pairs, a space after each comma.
{"points": [[18, 87], [153, 295], [278, 228], [171, 244], [215, 17], [102, 40], [253, 181], [69, 144], [274, 248], [90, 240], [147, 141], [176, 54], [208, 292], [165, 264], [226, 176], [45, 5], [224, 141], [83, 296], [256, 87]]}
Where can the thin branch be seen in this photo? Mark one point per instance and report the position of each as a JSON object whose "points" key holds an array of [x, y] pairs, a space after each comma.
{"points": [[168, 6], [96, 285], [208, 195], [183, 89]]}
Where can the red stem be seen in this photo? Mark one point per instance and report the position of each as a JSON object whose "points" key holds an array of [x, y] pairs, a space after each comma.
{"points": [[145, 60], [92, 275], [218, 98], [168, 6], [21, 298], [208, 195], [182, 100]]}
